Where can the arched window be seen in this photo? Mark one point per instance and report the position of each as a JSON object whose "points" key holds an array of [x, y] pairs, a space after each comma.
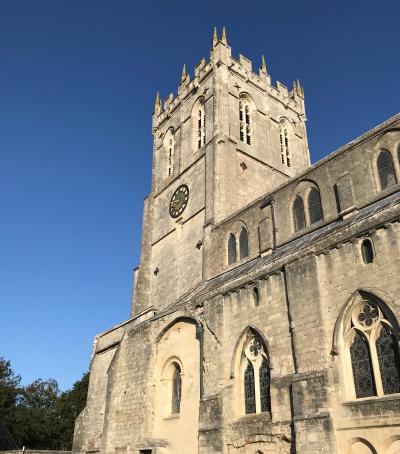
{"points": [[298, 213], [169, 148], [256, 296], [255, 374], [314, 206], [244, 243], [386, 172], [374, 350], [388, 358], [362, 368], [232, 255], [367, 251], [199, 124], [176, 390], [265, 386], [249, 389], [284, 139], [245, 120]]}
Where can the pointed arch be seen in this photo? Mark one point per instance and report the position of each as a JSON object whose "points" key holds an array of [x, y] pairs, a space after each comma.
{"points": [[232, 255], [199, 123], [314, 205], [368, 343]]}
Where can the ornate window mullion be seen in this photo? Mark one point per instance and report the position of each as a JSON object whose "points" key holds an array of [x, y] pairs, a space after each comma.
{"points": [[375, 364], [257, 387]]}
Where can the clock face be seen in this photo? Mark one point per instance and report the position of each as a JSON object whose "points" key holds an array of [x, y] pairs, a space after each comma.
{"points": [[179, 201]]}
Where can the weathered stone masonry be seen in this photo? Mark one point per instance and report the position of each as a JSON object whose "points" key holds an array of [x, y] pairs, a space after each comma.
{"points": [[262, 328]]}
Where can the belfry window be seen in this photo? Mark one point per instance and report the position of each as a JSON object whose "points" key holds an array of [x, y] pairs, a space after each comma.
{"points": [[299, 217], [374, 351], [284, 140], [176, 390], [386, 172], [199, 124], [169, 149], [245, 121], [256, 375]]}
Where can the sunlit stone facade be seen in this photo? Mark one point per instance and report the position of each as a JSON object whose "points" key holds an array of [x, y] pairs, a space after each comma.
{"points": [[265, 308]]}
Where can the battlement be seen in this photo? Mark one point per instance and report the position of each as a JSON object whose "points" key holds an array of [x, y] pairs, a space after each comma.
{"points": [[220, 54]]}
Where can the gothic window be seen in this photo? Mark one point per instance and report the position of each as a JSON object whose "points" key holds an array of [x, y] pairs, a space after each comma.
{"points": [[265, 386], [176, 390], [362, 368], [244, 243], [256, 374], [389, 362], [249, 389], [169, 149], [232, 255], [314, 206], [373, 350], [199, 124], [298, 214], [367, 251], [386, 172], [284, 139], [245, 121]]}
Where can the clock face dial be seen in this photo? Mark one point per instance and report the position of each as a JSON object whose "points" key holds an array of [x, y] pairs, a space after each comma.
{"points": [[179, 201]]}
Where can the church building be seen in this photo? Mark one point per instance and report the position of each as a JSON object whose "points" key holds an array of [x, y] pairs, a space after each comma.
{"points": [[266, 306]]}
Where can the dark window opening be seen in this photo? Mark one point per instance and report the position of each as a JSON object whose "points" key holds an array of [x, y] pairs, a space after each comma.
{"points": [[298, 214], [389, 362], [386, 172], [315, 206], [232, 255], [256, 296], [367, 251], [265, 386], [176, 390], [244, 243], [364, 382]]}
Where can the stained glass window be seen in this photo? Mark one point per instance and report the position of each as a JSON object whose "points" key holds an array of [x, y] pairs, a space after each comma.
{"points": [[315, 206], [298, 213], [176, 390], [387, 175], [265, 386], [243, 243], [249, 389], [364, 382], [389, 362], [232, 255]]}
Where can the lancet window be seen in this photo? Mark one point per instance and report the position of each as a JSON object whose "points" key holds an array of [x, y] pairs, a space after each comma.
{"points": [[238, 244], [169, 149], [386, 171], [299, 216], [307, 206], [284, 140], [245, 120], [176, 394], [199, 124]]}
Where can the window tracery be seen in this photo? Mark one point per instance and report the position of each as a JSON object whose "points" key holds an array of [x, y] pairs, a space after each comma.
{"points": [[307, 206], [373, 351], [256, 375]]}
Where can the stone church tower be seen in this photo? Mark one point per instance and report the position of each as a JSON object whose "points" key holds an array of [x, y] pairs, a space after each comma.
{"points": [[265, 307]]}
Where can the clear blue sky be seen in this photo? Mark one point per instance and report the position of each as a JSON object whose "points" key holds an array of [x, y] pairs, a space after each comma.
{"points": [[77, 86]]}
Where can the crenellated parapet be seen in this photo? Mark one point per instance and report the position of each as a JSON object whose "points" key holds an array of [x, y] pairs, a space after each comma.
{"points": [[220, 54]]}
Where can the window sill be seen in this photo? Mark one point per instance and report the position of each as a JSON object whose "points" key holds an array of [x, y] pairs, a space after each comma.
{"points": [[172, 416], [368, 400]]}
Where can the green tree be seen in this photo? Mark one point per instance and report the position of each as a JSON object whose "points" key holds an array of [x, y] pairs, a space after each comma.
{"points": [[9, 393], [67, 408]]}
